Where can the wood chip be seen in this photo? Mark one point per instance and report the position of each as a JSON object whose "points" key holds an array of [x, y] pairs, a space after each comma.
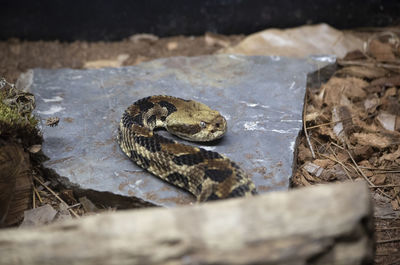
{"points": [[349, 87], [372, 139], [378, 179], [387, 81], [343, 126], [381, 51], [363, 72], [391, 156]]}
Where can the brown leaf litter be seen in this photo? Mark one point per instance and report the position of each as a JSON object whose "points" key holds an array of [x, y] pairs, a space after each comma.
{"points": [[352, 124]]}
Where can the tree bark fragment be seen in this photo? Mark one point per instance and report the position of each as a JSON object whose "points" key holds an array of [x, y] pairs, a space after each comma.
{"points": [[329, 224]]}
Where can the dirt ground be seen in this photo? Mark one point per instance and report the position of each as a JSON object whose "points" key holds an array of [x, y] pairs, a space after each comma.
{"points": [[362, 149]]}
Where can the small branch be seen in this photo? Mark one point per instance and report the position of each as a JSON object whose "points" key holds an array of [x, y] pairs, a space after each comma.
{"points": [[33, 198], [359, 169], [369, 64], [388, 228], [341, 164], [55, 194], [388, 240], [305, 128], [365, 177], [37, 194], [330, 123], [75, 205], [385, 186], [383, 170]]}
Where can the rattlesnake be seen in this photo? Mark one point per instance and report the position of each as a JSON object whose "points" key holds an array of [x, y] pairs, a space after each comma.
{"points": [[207, 175]]}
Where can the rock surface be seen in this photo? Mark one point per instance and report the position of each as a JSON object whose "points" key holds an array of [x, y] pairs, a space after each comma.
{"points": [[261, 98]]}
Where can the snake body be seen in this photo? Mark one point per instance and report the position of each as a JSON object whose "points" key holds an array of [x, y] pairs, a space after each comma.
{"points": [[207, 175]]}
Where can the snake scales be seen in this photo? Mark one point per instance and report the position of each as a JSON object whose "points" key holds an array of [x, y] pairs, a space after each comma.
{"points": [[206, 174]]}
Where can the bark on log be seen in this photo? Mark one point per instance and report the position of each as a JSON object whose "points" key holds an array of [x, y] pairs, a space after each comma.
{"points": [[330, 224], [15, 183]]}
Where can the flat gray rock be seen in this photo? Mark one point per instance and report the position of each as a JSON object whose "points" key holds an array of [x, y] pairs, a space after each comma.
{"points": [[261, 98]]}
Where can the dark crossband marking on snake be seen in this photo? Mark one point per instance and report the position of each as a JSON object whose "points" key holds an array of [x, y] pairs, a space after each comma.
{"points": [[207, 175]]}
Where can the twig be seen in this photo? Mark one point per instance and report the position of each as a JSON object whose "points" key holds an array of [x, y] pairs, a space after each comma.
{"points": [[305, 128], [334, 122], [75, 205], [38, 195], [335, 160], [388, 240], [383, 170], [338, 146], [341, 164], [58, 197], [385, 186], [331, 122], [365, 177], [33, 198], [388, 228], [345, 169], [359, 169], [369, 64]]}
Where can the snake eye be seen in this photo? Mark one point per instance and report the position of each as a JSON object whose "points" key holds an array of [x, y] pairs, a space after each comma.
{"points": [[202, 124]]}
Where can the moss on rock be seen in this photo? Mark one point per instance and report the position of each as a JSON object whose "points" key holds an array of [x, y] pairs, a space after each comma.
{"points": [[16, 119]]}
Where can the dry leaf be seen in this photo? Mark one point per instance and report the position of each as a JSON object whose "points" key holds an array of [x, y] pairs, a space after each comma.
{"points": [[311, 116], [363, 72], [372, 139], [395, 204], [303, 180], [355, 55], [381, 51], [371, 103], [390, 92], [387, 81], [344, 124], [391, 156], [324, 163], [363, 152], [304, 153], [350, 87], [377, 179]]}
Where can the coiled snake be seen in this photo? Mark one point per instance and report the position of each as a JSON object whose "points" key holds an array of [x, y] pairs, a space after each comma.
{"points": [[207, 175]]}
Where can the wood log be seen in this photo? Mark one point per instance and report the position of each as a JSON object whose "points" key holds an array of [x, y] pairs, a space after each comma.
{"points": [[15, 183], [327, 224]]}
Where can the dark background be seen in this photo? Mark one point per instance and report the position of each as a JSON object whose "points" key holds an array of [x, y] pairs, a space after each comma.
{"points": [[116, 19]]}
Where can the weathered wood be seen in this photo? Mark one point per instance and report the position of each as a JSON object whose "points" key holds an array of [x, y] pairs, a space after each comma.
{"points": [[329, 224], [15, 183]]}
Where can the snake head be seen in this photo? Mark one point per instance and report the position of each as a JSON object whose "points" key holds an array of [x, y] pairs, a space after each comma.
{"points": [[199, 123]]}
